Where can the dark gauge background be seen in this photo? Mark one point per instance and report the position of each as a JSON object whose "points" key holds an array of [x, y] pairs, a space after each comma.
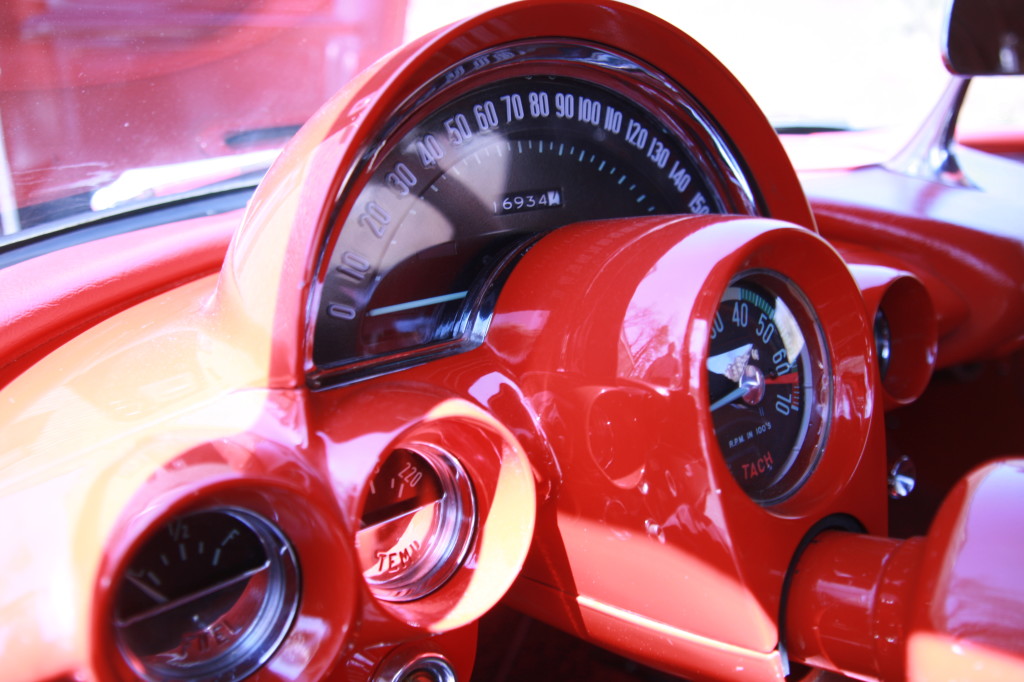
{"points": [[478, 175], [766, 383], [404, 483]]}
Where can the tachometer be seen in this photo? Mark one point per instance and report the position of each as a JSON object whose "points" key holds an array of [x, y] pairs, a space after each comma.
{"points": [[511, 143], [768, 379]]}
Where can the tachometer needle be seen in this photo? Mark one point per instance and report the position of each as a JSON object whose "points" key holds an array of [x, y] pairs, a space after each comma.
{"points": [[421, 303], [732, 395]]}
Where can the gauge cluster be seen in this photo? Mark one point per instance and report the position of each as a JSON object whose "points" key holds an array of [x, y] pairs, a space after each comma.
{"points": [[534, 320], [552, 319]]}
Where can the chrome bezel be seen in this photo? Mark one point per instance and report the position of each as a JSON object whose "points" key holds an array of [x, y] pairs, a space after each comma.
{"points": [[450, 539]]}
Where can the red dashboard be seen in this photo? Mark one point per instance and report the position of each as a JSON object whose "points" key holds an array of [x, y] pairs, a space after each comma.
{"points": [[526, 328]]}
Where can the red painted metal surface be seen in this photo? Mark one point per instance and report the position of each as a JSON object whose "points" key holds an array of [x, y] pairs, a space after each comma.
{"points": [[49, 300], [1008, 142], [134, 391], [651, 511], [907, 309], [939, 607], [960, 242]]}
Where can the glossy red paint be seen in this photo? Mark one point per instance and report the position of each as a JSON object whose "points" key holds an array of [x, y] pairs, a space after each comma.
{"points": [[635, 519], [960, 242], [605, 505], [974, 605], [48, 300], [929, 608], [909, 316], [1008, 142], [847, 608]]}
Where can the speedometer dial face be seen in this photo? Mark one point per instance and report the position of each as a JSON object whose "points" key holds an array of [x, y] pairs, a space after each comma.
{"points": [[769, 385], [521, 141]]}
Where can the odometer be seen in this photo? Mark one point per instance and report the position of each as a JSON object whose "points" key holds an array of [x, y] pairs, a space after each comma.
{"points": [[515, 142], [769, 385]]}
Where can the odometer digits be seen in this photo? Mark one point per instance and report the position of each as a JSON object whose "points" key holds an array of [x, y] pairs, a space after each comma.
{"points": [[528, 201]]}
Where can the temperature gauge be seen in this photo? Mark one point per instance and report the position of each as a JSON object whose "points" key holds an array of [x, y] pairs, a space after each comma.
{"points": [[416, 524]]}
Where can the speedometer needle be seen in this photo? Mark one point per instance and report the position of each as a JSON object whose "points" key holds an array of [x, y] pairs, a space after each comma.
{"points": [[732, 395], [412, 305]]}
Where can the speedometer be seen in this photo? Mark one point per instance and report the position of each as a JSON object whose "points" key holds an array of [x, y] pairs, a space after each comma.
{"points": [[509, 144]]}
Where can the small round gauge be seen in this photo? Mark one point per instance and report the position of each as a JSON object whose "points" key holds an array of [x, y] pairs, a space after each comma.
{"points": [[416, 524], [520, 141], [769, 384], [209, 595]]}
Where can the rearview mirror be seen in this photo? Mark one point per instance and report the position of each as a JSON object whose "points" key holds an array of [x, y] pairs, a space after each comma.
{"points": [[984, 37]]}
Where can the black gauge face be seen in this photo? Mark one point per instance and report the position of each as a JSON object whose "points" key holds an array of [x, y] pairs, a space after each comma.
{"points": [[768, 384], [208, 595], [416, 525], [476, 174]]}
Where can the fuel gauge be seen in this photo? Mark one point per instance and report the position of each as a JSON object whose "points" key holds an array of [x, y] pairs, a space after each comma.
{"points": [[416, 524], [209, 595]]}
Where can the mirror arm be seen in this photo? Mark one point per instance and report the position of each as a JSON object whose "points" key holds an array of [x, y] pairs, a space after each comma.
{"points": [[929, 154]]}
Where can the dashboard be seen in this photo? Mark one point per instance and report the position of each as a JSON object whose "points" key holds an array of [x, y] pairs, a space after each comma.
{"points": [[521, 319]]}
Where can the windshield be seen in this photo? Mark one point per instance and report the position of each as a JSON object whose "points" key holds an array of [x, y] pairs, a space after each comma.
{"points": [[107, 106]]}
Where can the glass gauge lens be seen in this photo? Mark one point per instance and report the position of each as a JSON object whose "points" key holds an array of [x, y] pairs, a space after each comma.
{"points": [[210, 595], [769, 385], [416, 524], [482, 169]]}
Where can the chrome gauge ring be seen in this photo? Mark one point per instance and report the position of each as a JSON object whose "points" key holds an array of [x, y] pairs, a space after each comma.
{"points": [[417, 523]]}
